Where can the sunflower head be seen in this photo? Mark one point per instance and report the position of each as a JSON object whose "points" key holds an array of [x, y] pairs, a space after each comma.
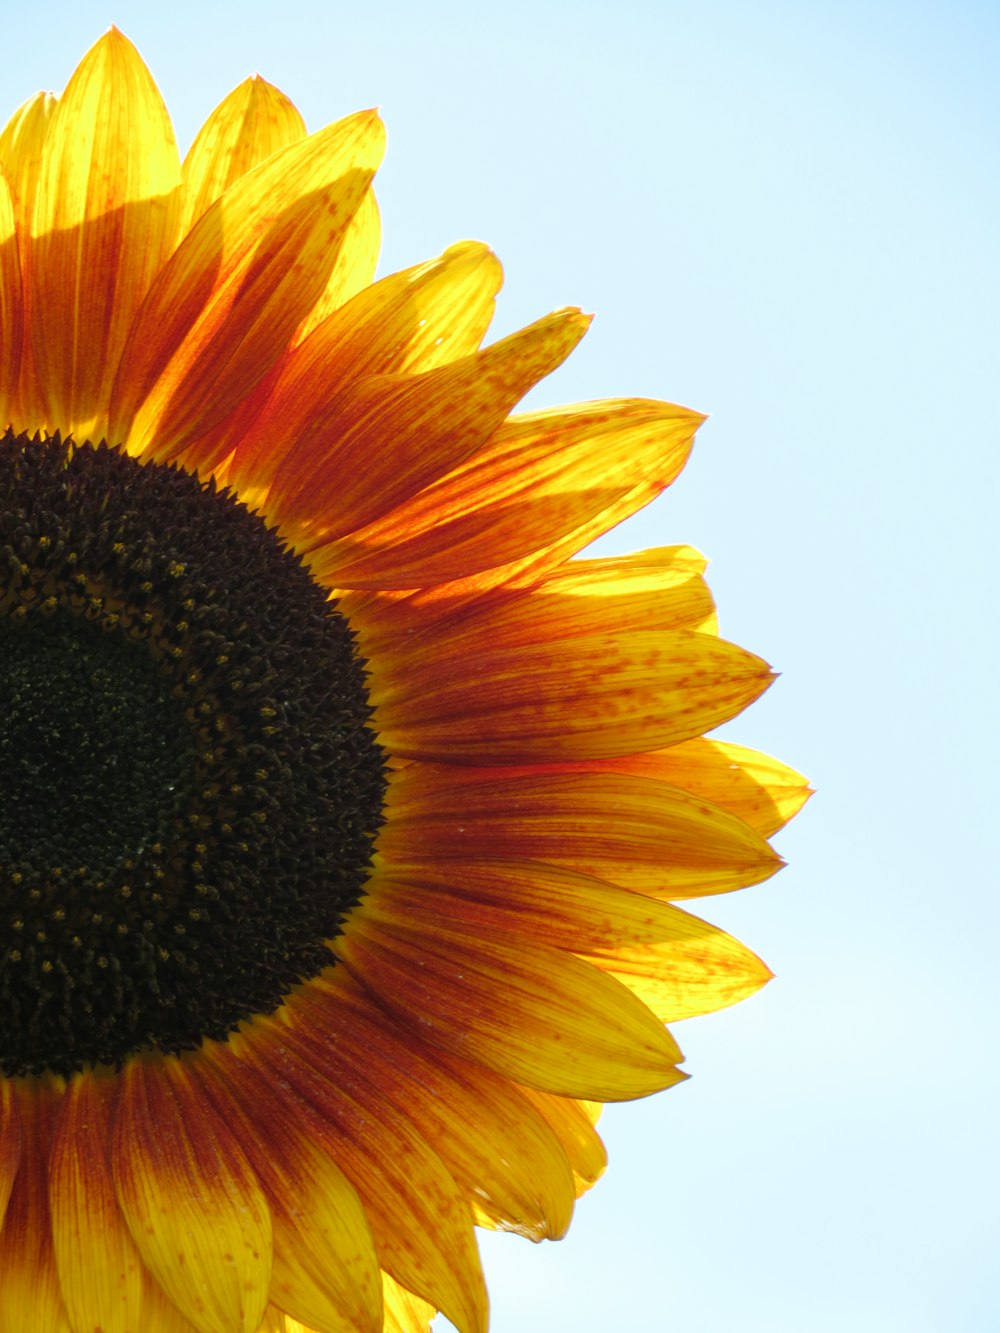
{"points": [[344, 810]]}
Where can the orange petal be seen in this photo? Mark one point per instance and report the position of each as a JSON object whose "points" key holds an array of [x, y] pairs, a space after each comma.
{"points": [[10, 1143], [763, 792], [29, 1290], [561, 1025], [677, 964], [230, 298], [419, 1220], [413, 320], [325, 1272], [20, 152], [11, 304], [632, 831], [552, 470], [105, 219], [387, 436], [495, 1146], [586, 697], [190, 1197], [254, 121], [100, 1271]]}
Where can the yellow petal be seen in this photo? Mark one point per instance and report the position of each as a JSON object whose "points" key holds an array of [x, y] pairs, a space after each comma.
{"points": [[387, 436], [404, 1312], [760, 790], [586, 697], [632, 831], [100, 1270], [105, 218], [574, 1128], [21, 142], [325, 1271], [254, 121], [563, 1026], [236, 288], [355, 266], [656, 589], [190, 1198]]}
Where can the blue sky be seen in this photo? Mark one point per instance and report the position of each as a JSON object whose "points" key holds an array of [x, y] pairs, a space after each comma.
{"points": [[784, 214]]}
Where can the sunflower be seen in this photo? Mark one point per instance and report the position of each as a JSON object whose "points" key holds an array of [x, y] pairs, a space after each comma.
{"points": [[341, 805]]}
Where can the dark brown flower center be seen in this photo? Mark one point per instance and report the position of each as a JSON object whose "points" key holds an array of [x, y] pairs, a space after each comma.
{"points": [[189, 786]]}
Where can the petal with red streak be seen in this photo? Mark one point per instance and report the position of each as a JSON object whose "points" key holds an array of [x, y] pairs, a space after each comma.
{"points": [[100, 1270], [420, 1222], [30, 1284], [537, 479], [527, 1011], [387, 436], [227, 303], [411, 321], [495, 1146], [586, 697], [632, 831], [325, 1270], [190, 1198]]}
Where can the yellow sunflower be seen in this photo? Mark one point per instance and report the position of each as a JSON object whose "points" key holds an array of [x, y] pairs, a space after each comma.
{"points": [[339, 804]]}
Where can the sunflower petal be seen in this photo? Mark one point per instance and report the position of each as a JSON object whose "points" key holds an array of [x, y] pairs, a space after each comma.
{"points": [[332, 481], [191, 1199], [20, 152], [763, 792], [549, 471], [575, 1130], [11, 303], [631, 831], [355, 266], [404, 1312], [10, 1143], [21, 142], [30, 1284], [677, 964], [586, 697], [495, 1146], [563, 1026], [247, 127], [395, 1173], [325, 1270], [105, 218], [100, 1270], [414, 320], [231, 296], [661, 588]]}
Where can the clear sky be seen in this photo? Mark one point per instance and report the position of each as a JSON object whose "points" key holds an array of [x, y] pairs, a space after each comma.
{"points": [[784, 214]]}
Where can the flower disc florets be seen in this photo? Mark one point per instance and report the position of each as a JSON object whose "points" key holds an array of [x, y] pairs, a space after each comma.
{"points": [[190, 787]]}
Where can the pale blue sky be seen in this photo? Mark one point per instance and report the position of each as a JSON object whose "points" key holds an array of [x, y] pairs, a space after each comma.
{"points": [[786, 215]]}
